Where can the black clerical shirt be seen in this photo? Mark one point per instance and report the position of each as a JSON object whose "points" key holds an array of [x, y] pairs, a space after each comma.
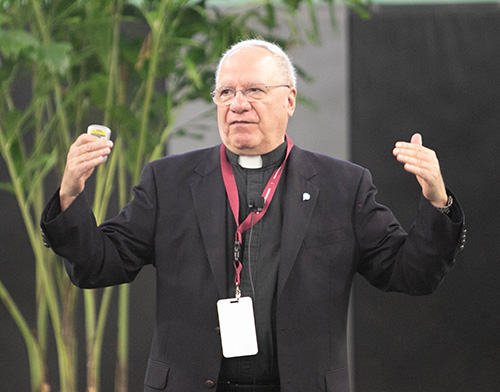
{"points": [[259, 275]]}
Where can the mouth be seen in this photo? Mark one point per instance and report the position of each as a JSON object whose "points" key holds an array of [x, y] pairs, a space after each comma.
{"points": [[241, 122]]}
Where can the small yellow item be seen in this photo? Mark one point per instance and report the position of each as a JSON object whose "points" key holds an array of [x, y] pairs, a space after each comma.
{"points": [[101, 132]]}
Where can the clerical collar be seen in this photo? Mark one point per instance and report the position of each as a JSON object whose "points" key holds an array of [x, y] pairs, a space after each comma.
{"points": [[250, 162], [258, 161]]}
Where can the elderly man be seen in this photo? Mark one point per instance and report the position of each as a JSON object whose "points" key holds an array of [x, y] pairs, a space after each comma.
{"points": [[255, 242]]}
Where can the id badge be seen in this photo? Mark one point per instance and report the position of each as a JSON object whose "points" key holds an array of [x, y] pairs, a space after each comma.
{"points": [[237, 327]]}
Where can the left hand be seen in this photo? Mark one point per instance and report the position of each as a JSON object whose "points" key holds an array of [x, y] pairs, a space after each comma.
{"points": [[423, 162]]}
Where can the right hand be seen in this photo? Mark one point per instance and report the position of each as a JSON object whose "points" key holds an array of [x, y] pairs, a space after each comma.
{"points": [[84, 155]]}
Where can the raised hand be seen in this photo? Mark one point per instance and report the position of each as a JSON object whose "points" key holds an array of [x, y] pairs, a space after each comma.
{"points": [[423, 163], [84, 155]]}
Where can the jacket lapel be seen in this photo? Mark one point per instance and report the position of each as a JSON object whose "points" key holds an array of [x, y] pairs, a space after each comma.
{"points": [[210, 206], [209, 199], [300, 198]]}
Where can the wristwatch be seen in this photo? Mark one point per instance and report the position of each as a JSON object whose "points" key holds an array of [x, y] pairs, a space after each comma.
{"points": [[446, 209]]}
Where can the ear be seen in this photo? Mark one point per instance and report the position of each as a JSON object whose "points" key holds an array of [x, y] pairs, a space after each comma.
{"points": [[292, 98]]}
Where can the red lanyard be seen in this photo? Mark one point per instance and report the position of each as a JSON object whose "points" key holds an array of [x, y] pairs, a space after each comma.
{"points": [[234, 202]]}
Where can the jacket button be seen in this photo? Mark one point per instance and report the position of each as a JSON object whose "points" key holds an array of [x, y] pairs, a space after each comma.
{"points": [[45, 240], [210, 384]]}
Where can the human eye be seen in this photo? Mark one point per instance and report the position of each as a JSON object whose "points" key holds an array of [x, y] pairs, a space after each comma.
{"points": [[225, 92], [255, 91]]}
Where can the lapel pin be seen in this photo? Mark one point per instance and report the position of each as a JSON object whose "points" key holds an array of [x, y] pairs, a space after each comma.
{"points": [[306, 196]]}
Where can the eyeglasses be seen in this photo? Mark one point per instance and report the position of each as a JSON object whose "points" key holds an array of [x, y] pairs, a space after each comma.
{"points": [[253, 92]]}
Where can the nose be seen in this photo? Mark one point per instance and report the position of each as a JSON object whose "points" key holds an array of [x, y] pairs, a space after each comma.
{"points": [[239, 103]]}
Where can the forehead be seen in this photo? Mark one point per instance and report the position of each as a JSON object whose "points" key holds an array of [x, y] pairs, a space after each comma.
{"points": [[248, 65]]}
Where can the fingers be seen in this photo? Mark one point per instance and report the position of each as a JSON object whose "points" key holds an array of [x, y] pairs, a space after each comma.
{"points": [[416, 139], [414, 153], [88, 152], [424, 164], [417, 159], [90, 146], [84, 155]]}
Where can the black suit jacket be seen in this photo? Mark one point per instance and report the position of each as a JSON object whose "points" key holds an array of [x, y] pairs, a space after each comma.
{"points": [[177, 222]]}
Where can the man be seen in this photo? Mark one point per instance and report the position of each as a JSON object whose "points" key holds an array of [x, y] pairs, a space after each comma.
{"points": [[256, 217]]}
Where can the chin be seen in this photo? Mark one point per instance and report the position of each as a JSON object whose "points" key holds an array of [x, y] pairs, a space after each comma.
{"points": [[248, 146], [245, 149]]}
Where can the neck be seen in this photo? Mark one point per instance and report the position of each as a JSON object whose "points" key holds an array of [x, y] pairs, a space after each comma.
{"points": [[257, 161], [255, 151], [250, 161]]}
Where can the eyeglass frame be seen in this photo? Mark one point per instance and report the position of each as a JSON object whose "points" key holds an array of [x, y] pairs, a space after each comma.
{"points": [[249, 99]]}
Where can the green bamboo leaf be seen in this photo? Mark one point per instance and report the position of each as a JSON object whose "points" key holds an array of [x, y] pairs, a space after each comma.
{"points": [[3, 18], [313, 34], [197, 135], [127, 118], [332, 14], [55, 56], [7, 186], [137, 3], [293, 3], [12, 121], [35, 162], [97, 89], [269, 19], [192, 72], [47, 162], [13, 42], [193, 21], [360, 7]]}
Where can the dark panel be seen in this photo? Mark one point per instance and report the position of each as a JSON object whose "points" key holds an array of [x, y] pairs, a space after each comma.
{"points": [[435, 70]]}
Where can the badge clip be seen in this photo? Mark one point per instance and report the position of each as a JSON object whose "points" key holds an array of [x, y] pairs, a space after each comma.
{"points": [[237, 293]]}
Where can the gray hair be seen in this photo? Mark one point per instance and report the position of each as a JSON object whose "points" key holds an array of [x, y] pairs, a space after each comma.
{"points": [[282, 59]]}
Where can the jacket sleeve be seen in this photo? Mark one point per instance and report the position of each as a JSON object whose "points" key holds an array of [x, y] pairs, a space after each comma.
{"points": [[393, 260], [109, 254]]}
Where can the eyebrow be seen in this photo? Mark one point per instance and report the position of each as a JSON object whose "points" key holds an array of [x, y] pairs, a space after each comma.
{"points": [[246, 85]]}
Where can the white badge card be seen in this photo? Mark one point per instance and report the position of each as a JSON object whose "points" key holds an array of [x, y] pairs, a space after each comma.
{"points": [[237, 327]]}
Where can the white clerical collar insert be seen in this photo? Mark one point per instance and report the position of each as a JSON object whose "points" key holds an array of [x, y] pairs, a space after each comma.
{"points": [[250, 162]]}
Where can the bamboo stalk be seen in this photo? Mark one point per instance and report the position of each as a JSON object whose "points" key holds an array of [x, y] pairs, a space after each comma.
{"points": [[99, 334], [121, 372], [48, 283], [157, 33], [37, 367], [90, 324], [61, 114]]}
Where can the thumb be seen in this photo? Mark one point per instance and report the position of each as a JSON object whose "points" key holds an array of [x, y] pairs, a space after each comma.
{"points": [[416, 139]]}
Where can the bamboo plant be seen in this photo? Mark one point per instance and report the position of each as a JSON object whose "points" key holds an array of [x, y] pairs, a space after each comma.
{"points": [[131, 64]]}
